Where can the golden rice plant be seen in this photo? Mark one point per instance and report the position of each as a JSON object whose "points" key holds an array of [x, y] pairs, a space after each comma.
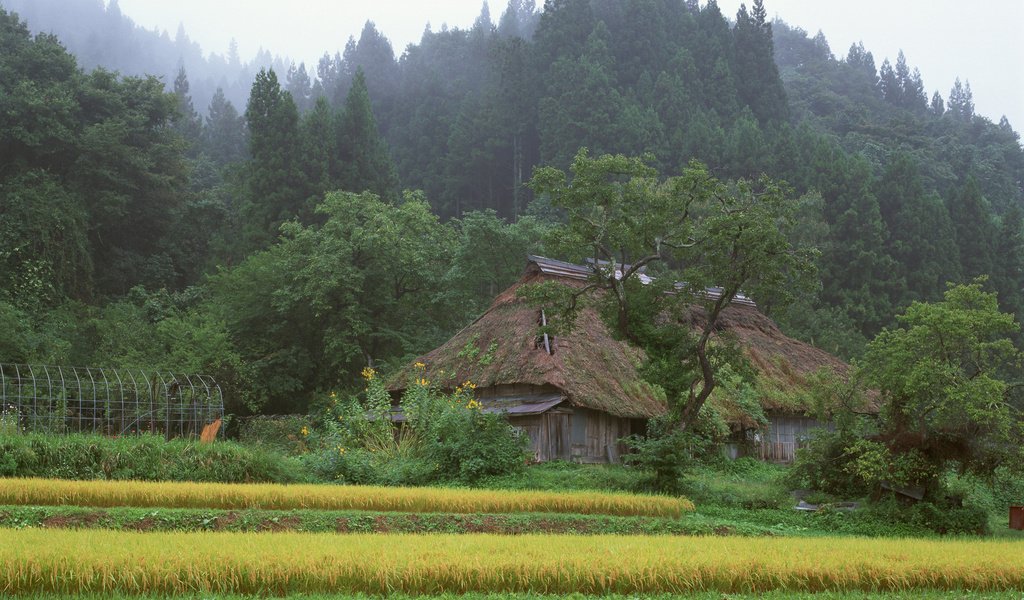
{"points": [[77, 561], [330, 497]]}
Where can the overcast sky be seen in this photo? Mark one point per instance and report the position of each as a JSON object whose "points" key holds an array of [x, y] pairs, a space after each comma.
{"points": [[977, 41]]}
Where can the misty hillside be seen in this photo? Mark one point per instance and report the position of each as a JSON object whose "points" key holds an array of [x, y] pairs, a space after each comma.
{"points": [[172, 196], [103, 36]]}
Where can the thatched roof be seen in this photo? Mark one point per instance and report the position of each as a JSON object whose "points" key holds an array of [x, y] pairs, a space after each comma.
{"points": [[783, 364], [588, 366]]}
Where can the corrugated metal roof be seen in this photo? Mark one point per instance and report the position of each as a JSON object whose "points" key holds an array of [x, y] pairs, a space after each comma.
{"points": [[550, 266], [526, 409], [559, 268], [521, 406]]}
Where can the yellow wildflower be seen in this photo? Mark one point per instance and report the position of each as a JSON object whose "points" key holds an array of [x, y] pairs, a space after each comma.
{"points": [[420, 365], [368, 373], [423, 382], [305, 430], [341, 450]]}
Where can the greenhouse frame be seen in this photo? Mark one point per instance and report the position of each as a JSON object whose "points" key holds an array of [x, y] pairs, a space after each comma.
{"points": [[106, 401]]}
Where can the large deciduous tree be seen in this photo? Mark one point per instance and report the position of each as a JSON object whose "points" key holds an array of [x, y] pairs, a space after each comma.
{"points": [[326, 300], [945, 397], [695, 232]]}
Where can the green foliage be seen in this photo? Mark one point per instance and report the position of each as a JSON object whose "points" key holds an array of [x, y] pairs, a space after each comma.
{"points": [[93, 177], [16, 344], [281, 433], [734, 237], [757, 76], [489, 256], [944, 406], [831, 461], [275, 181], [363, 163], [309, 312], [104, 188], [560, 475], [744, 483], [146, 458], [444, 437], [943, 517], [945, 399], [667, 454]]}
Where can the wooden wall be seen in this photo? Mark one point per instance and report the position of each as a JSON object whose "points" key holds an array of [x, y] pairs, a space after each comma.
{"points": [[577, 434], [785, 433]]}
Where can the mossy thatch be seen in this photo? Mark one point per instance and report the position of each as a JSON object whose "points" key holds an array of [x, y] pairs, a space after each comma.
{"points": [[784, 365], [591, 368]]}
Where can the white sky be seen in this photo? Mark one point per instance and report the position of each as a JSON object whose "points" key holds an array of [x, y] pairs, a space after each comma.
{"points": [[978, 41]]}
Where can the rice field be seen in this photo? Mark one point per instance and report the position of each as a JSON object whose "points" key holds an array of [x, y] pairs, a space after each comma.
{"points": [[51, 492], [92, 561]]}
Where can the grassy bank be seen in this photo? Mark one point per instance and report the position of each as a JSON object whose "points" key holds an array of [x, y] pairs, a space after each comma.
{"points": [[313, 521], [143, 458]]}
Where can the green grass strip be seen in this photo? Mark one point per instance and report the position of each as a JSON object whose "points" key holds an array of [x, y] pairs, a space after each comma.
{"points": [[55, 492], [77, 561], [313, 521]]}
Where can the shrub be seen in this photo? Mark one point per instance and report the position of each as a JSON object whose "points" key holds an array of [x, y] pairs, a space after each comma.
{"points": [[563, 475], [445, 437], [467, 445], [834, 462], [1007, 487], [280, 433], [946, 517], [666, 453], [141, 458]]}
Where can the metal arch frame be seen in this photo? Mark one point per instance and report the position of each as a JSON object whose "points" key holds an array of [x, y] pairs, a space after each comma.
{"points": [[107, 401]]}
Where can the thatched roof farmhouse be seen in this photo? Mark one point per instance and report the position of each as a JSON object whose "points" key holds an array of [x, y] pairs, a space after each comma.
{"points": [[577, 394]]}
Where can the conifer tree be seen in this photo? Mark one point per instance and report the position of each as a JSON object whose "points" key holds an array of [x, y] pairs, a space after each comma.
{"points": [[276, 186], [757, 77], [364, 163], [319, 150], [187, 122], [857, 273], [973, 228], [300, 87], [518, 20], [1008, 266], [888, 84], [224, 135], [961, 101], [921, 238], [583, 107]]}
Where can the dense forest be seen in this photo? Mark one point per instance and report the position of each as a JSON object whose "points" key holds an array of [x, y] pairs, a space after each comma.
{"points": [[361, 211]]}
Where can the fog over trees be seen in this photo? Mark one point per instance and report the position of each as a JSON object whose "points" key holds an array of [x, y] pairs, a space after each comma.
{"points": [[155, 219]]}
